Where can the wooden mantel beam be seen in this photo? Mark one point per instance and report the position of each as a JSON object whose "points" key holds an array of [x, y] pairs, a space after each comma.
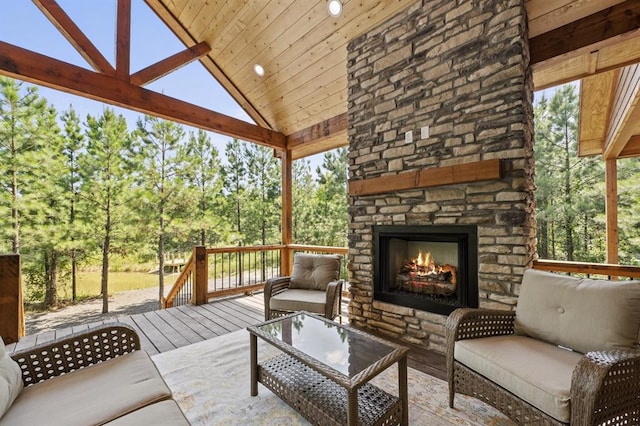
{"points": [[611, 22], [74, 35], [35, 68], [170, 64]]}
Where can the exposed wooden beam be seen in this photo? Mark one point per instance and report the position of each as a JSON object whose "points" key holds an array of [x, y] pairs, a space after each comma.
{"points": [[632, 148], [33, 67], [324, 136], [286, 260], [459, 173], [123, 39], [596, 98], [613, 21], [174, 24], [170, 64], [607, 55], [74, 35]]}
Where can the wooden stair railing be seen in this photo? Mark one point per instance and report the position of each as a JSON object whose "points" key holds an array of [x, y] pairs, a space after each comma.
{"points": [[183, 287]]}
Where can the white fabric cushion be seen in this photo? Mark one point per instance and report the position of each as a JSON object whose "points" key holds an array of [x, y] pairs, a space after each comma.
{"points": [[534, 371], [295, 300], [314, 271], [10, 380], [581, 314]]}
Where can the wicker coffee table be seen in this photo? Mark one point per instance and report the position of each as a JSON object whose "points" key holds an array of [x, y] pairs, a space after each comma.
{"points": [[324, 371]]}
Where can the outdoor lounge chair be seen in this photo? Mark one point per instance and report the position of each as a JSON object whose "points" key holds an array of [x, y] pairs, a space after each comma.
{"points": [[314, 286]]}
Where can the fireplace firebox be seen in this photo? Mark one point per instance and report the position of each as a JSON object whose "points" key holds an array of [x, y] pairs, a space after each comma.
{"points": [[433, 268]]}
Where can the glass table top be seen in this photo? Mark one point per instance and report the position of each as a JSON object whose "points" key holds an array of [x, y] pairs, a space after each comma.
{"points": [[347, 351]]}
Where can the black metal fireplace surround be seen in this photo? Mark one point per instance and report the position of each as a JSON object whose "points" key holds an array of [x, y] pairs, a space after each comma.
{"points": [[433, 268]]}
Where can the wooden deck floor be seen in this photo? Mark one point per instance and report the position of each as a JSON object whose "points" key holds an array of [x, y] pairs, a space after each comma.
{"points": [[168, 329]]}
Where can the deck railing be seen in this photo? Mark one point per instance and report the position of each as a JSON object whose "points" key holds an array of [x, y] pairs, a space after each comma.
{"points": [[223, 271], [588, 269]]}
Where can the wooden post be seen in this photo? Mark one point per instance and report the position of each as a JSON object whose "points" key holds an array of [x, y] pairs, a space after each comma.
{"points": [[611, 209], [11, 306], [286, 254], [201, 281]]}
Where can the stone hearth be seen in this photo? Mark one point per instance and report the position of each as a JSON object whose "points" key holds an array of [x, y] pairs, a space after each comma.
{"points": [[460, 68]]}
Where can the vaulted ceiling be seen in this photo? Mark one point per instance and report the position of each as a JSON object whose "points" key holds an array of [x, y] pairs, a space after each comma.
{"points": [[300, 103]]}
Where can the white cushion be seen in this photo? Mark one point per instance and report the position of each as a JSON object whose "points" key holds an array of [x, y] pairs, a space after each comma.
{"points": [[581, 314], [537, 372], [10, 380], [294, 300]]}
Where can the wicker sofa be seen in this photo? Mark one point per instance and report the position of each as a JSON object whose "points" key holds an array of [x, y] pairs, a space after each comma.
{"points": [[569, 354], [91, 378]]}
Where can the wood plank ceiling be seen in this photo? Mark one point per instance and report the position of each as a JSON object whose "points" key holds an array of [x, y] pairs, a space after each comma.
{"points": [[300, 103]]}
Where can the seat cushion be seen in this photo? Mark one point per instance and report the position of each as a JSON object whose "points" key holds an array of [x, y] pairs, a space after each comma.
{"points": [[314, 271], [294, 300], [91, 395], [536, 372], [163, 413], [10, 380], [582, 314]]}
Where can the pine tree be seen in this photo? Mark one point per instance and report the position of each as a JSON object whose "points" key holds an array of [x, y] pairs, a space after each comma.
{"points": [[234, 178], [106, 168]]}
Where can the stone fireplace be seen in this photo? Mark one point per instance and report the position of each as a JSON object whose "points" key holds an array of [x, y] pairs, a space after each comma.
{"points": [[433, 268], [440, 135]]}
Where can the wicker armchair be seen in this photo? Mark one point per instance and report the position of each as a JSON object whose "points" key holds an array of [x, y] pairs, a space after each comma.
{"points": [[314, 286], [76, 351], [604, 384]]}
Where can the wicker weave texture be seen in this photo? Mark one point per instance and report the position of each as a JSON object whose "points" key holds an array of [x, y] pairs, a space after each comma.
{"points": [[321, 400], [75, 351]]}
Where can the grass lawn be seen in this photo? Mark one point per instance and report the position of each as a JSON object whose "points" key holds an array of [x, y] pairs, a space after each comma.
{"points": [[89, 282]]}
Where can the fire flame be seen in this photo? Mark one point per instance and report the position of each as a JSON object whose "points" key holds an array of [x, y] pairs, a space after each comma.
{"points": [[425, 264]]}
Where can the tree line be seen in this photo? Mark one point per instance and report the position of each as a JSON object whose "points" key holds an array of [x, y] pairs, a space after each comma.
{"points": [[80, 191], [570, 190]]}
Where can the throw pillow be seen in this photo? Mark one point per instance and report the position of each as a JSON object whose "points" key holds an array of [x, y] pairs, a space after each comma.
{"points": [[10, 380]]}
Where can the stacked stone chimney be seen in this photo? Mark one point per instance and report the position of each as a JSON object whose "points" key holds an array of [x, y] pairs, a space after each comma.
{"points": [[460, 68]]}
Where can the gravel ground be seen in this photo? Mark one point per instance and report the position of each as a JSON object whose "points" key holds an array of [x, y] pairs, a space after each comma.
{"points": [[87, 311]]}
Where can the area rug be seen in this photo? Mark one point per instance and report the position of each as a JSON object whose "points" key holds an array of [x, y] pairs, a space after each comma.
{"points": [[210, 381]]}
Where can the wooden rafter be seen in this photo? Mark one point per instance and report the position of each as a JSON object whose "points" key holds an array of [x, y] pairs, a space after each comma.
{"points": [[74, 35], [123, 39], [320, 137], [170, 64], [33, 67], [625, 113], [613, 21], [173, 23]]}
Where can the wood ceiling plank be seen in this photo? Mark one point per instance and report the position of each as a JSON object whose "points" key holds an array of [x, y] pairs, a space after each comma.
{"points": [[632, 148], [170, 64], [75, 36], [337, 140], [263, 36], [313, 92], [619, 19], [314, 105], [301, 118], [596, 99], [224, 28], [123, 39], [29, 66], [547, 15], [625, 115]]}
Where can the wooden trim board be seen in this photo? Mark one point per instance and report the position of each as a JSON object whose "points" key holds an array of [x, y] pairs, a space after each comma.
{"points": [[449, 175]]}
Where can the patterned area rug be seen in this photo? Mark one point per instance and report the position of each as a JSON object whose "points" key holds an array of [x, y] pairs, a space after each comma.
{"points": [[210, 382]]}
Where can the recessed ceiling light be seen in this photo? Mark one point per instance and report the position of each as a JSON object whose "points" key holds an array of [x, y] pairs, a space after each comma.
{"points": [[258, 70], [334, 7]]}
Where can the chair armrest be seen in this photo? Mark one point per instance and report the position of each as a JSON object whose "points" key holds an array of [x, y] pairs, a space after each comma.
{"points": [[605, 387], [334, 299], [75, 351], [272, 287], [473, 323]]}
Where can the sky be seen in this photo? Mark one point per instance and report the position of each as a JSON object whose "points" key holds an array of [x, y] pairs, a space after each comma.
{"points": [[22, 24]]}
